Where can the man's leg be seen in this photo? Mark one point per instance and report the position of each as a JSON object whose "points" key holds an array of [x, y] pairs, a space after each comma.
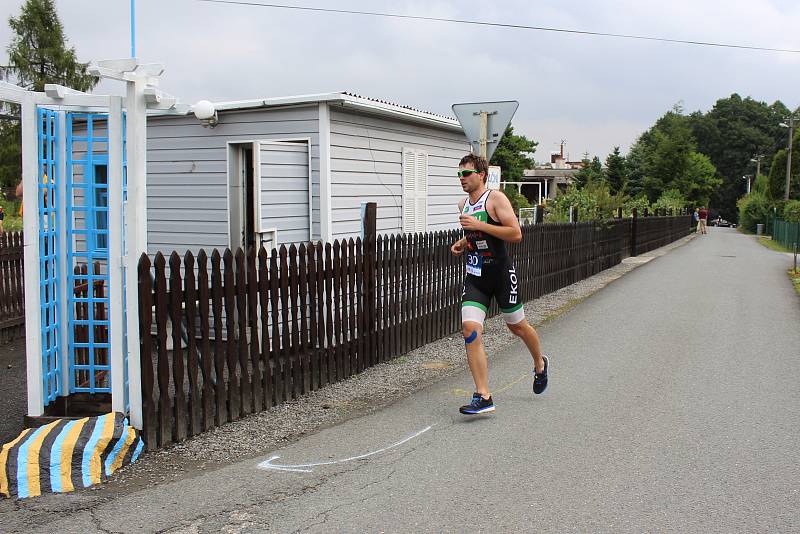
{"points": [[528, 334], [476, 356]]}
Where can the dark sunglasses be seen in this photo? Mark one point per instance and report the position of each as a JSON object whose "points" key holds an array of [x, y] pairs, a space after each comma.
{"points": [[466, 172]]}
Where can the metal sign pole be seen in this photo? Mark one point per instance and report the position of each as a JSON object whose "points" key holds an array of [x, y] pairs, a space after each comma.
{"points": [[484, 127]]}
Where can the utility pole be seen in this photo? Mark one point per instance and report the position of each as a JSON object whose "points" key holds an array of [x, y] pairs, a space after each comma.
{"points": [[484, 133], [790, 125], [757, 160]]}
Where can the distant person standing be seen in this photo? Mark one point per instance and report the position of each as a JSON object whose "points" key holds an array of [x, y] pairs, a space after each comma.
{"points": [[2, 216], [703, 220], [696, 219], [19, 196]]}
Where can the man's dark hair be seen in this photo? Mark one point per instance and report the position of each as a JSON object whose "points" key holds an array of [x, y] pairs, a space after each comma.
{"points": [[476, 162]]}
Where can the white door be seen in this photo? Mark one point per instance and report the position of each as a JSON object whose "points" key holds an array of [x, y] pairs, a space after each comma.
{"points": [[284, 192]]}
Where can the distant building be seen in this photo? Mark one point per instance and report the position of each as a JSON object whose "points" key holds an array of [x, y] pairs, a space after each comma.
{"points": [[550, 179]]}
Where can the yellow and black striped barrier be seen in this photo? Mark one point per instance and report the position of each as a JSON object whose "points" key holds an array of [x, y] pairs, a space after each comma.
{"points": [[67, 454]]}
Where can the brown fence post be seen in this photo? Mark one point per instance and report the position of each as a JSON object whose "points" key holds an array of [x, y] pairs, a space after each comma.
{"points": [[634, 224], [538, 217], [370, 280], [150, 430]]}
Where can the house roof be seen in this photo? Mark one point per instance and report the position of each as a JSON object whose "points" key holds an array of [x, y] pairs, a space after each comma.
{"points": [[345, 99], [550, 173]]}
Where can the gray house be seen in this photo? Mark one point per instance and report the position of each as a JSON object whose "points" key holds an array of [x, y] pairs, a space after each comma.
{"points": [[286, 170]]}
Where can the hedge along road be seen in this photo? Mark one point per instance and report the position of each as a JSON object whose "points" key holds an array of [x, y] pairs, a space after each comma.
{"points": [[672, 406]]}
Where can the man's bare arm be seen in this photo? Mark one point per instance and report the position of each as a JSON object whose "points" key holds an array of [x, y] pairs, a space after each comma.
{"points": [[504, 214]]}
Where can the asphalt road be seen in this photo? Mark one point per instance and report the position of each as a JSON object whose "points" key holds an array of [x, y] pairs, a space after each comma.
{"points": [[673, 406]]}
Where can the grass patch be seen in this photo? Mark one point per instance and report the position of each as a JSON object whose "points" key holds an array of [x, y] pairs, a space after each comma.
{"points": [[12, 222], [795, 278], [772, 245]]}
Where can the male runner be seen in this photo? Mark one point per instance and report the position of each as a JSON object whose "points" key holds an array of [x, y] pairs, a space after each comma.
{"points": [[488, 221]]}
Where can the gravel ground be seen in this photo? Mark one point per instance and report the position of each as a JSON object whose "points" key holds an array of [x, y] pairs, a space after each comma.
{"points": [[378, 386], [13, 400]]}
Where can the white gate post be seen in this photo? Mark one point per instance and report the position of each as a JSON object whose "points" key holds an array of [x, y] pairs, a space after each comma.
{"points": [[30, 221], [115, 276], [136, 237]]}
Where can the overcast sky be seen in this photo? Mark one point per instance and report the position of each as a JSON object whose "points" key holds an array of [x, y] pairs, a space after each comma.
{"points": [[594, 92]]}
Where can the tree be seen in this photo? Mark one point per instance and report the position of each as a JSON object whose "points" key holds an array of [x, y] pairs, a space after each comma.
{"points": [[730, 134], [38, 52], [10, 153], [590, 173], [38, 55], [667, 160], [616, 171], [777, 172], [513, 155], [700, 180], [635, 168]]}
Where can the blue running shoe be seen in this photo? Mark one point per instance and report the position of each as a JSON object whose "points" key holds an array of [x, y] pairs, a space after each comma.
{"points": [[540, 379], [478, 405]]}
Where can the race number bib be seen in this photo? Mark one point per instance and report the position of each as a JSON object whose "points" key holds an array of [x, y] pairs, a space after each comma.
{"points": [[474, 264]]}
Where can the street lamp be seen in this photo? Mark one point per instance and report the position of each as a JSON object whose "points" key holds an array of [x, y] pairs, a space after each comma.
{"points": [[790, 120], [747, 177]]}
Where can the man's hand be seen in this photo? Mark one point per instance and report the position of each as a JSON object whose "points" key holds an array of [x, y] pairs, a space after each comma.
{"points": [[468, 222], [457, 249]]}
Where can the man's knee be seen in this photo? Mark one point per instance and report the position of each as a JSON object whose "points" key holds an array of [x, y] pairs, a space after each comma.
{"points": [[520, 328], [471, 333]]}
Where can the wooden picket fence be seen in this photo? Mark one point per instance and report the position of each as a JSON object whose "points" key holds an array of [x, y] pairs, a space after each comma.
{"points": [[12, 284], [237, 333]]}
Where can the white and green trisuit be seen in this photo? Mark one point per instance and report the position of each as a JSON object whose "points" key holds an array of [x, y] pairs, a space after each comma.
{"points": [[490, 271]]}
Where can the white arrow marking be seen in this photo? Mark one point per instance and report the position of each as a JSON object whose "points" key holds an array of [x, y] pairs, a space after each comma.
{"points": [[303, 468]]}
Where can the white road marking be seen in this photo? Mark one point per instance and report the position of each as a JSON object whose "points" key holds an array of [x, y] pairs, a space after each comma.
{"points": [[304, 468]]}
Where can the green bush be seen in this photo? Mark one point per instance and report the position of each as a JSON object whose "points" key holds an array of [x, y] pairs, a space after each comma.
{"points": [[517, 199], [671, 199], [640, 203], [594, 202], [12, 222], [753, 209], [791, 211]]}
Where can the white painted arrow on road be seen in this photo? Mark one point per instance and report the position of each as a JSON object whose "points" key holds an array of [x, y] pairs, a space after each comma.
{"points": [[306, 468]]}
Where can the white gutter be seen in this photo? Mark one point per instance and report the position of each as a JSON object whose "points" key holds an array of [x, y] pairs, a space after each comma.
{"points": [[400, 112]]}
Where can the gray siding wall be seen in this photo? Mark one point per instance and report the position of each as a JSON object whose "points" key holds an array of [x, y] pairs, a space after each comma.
{"points": [[366, 166], [187, 173]]}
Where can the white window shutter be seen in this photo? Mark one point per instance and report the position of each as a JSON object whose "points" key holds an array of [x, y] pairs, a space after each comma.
{"points": [[422, 192], [409, 191]]}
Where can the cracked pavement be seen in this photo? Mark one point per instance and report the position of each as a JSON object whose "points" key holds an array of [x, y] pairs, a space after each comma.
{"points": [[648, 425]]}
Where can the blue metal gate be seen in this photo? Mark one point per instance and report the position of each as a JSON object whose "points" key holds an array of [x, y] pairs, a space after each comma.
{"points": [[87, 250], [48, 179]]}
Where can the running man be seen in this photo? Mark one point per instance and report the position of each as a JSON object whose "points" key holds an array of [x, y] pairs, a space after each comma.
{"points": [[488, 221]]}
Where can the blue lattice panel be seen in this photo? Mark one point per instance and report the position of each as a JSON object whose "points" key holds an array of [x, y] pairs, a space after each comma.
{"points": [[48, 204]]}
